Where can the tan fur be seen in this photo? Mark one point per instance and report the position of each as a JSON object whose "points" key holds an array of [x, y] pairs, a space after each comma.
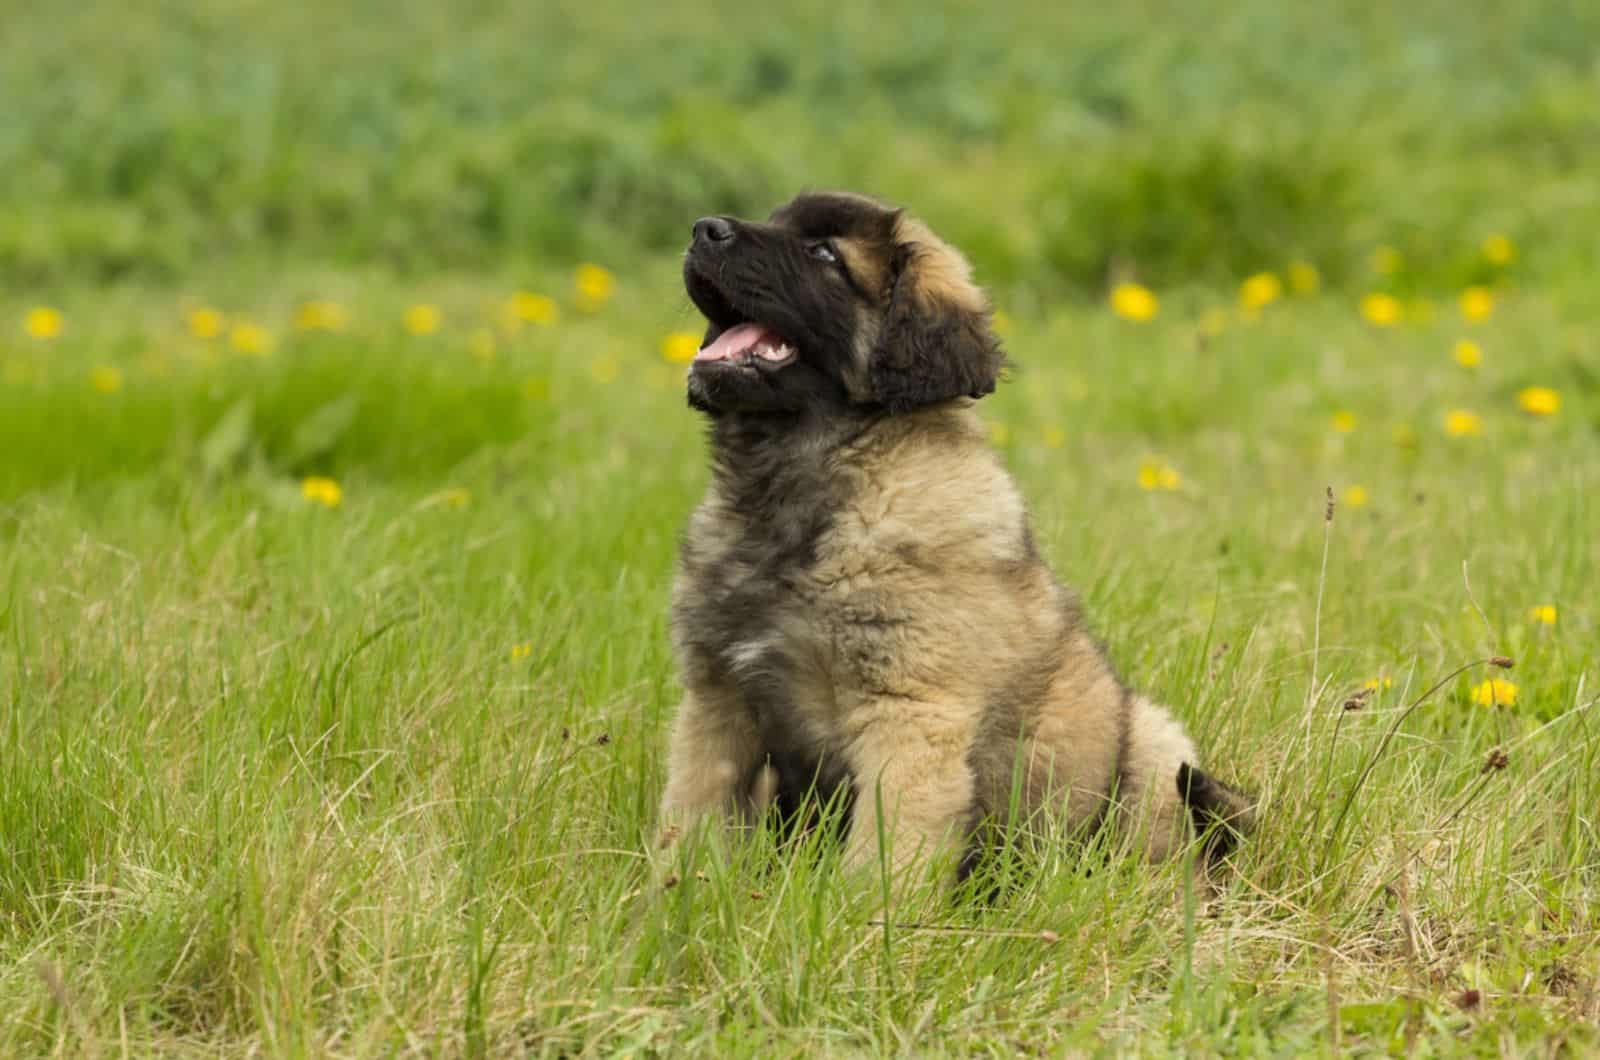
{"points": [[929, 645], [943, 274]]}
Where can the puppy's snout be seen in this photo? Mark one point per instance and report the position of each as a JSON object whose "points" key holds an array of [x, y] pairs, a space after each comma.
{"points": [[712, 231]]}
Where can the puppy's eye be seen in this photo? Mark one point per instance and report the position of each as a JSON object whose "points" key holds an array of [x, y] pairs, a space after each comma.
{"points": [[823, 252]]}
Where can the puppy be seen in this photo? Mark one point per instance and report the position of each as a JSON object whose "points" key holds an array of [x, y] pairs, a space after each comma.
{"points": [[860, 609]]}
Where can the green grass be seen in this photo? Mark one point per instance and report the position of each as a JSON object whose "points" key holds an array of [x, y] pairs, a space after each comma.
{"points": [[375, 779]]}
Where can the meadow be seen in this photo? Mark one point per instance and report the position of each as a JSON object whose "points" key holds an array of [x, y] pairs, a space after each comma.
{"points": [[343, 458]]}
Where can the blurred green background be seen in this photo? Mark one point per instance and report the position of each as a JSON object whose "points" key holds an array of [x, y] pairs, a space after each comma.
{"points": [[1191, 141]]}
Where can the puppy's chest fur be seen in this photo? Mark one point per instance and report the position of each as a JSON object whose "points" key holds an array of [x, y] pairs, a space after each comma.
{"points": [[824, 573]]}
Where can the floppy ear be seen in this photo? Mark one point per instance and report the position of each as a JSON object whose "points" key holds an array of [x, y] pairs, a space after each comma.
{"points": [[935, 343]]}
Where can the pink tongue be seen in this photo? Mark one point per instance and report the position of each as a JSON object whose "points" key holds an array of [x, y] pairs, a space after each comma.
{"points": [[735, 341]]}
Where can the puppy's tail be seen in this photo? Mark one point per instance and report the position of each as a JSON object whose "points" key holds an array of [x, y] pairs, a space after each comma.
{"points": [[1222, 815]]}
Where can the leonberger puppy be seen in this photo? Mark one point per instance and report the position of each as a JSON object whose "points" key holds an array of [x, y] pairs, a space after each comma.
{"points": [[861, 609]]}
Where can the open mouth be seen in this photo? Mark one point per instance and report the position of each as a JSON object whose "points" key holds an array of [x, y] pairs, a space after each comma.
{"points": [[745, 346]]}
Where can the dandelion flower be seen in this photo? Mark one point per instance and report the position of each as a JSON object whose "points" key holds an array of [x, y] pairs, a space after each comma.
{"points": [[1344, 422], [43, 322], [1133, 301], [1544, 614], [595, 286], [482, 346], [1495, 692], [105, 380], [1499, 250], [534, 308], [1477, 303], [206, 323], [1467, 354], [1378, 684], [422, 319], [1355, 496], [320, 316], [1154, 475], [1260, 290], [1387, 261], [323, 491], [1539, 401], [1054, 437], [536, 388], [1381, 309], [521, 651], [1460, 423], [680, 347], [1304, 278], [999, 433], [250, 339]]}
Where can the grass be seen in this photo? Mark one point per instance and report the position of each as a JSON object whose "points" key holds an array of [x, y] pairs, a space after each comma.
{"points": [[370, 779]]}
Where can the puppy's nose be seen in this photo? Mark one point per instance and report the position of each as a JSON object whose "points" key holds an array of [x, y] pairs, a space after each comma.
{"points": [[713, 230]]}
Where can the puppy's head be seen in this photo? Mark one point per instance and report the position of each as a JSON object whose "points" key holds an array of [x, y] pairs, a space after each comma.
{"points": [[834, 301]]}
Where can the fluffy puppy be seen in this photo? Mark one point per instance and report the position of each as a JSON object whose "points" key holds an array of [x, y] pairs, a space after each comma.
{"points": [[860, 609]]}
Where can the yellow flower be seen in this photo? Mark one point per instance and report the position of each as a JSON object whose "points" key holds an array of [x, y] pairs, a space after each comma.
{"points": [[1539, 401], [534, 308], [320, 316], [1477, 303], [1054, 437], [1381, 309], [42, 322], [106, 380], [1304, 277], [1495, 692], [1459, 423], [481, 345], [421, 319], [605, 368], [1000, 320], [323, 491], [252, 340], [1133, 301], [1387, 260], [1260, 290], [456, 497], [1499, 250], [1378, 684], [1154, 475], [536, 388], [521, 651], [679, 347], [999, 433], [1468, 354], [1355, 496], [1344, 422], [206, 323], [1544, 614], [1213, 322], [595, 285]]}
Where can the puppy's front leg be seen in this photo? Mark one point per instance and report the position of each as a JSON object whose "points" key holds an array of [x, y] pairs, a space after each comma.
{"points": [[714, 753], [911, 758]]}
